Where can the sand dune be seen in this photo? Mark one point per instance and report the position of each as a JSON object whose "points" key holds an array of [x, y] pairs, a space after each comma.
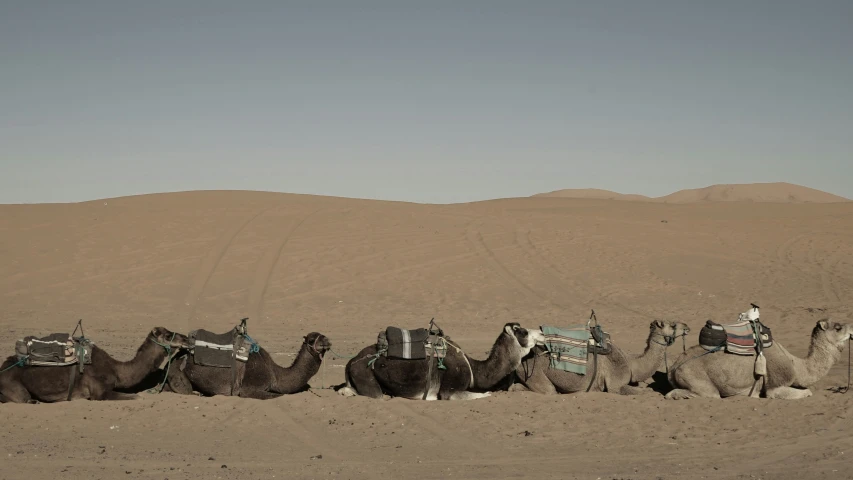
{"points": [[748, 192], [753, 192], [348, 268], [591, 193]]}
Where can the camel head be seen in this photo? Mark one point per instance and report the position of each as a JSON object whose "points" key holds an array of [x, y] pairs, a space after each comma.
{"points": [[833, 333], [669, 331], [164, 336], [525, 338], [318, 342]]}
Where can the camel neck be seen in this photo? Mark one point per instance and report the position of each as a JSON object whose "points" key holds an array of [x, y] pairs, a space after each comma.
{"points": [[132, 372], [502, 360], [647, 363], [816, 365], [293, 378]]}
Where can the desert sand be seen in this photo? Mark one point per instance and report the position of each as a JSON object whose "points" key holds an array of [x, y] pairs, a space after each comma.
{"points": [[349, 268]]}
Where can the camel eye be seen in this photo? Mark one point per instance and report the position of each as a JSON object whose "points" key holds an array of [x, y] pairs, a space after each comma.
{"points": [[837, 328]]}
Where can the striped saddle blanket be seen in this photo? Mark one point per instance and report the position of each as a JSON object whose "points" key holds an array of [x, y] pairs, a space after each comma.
{"points": [[54, 350], [738, 338], [567, 347], [219, 349], [417, 344]]}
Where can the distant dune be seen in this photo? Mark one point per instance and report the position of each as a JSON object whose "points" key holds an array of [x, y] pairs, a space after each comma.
{"points": [[592, 193], [779, 192]]}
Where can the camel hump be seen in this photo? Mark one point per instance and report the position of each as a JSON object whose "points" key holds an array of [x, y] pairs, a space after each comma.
{"points": [[56, 349]]}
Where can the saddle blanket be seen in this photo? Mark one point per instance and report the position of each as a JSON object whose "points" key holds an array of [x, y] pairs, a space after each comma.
{"points": [[404, 344], [738, 338], [567, 347], [54, 350], [218, 350]]}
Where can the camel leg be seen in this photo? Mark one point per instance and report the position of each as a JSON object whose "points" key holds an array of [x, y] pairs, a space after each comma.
{"points": [[540, 383], [681, 394], [518, 387], [468, 395], [259, 394], [178, 382], [788, 393], [634, 390], [111, 395], [14, 393], [360, 381]]}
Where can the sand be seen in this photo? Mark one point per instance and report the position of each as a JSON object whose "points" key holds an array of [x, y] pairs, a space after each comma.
{"points": [[348, 268]]}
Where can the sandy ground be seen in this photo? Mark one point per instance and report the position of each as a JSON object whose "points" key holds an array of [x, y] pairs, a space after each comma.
{"points": [[348, 268]]}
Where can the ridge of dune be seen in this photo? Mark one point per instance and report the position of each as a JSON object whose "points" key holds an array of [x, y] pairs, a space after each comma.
{"points": [[777, 192], [595, 193]]}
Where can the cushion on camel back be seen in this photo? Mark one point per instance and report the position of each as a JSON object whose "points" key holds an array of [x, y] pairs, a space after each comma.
{"points": [[738, 338], [403, 344], [567, 347], [218, 349], [56, 349]]}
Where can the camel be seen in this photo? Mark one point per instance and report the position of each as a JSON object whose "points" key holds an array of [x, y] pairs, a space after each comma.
{"points": [[700, 373], [616, 372], [263, 378], [464, 378], [99, 380]]}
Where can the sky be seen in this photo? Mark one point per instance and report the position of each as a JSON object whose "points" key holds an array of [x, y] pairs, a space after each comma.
{"points": [[436, 102]]}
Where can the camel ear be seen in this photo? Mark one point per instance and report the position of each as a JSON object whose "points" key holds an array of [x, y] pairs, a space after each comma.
{"points": [[823, 324], [659, 323], [508, 329]]}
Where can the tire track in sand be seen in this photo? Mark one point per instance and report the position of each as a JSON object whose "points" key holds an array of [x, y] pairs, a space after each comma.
{"points": [[533, 253], [211, 263], [475, 238], [554, 275], [831, 281], [265, 268]]}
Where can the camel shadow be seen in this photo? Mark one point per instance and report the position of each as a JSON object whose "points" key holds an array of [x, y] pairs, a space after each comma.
{"points": [[660, 383]]}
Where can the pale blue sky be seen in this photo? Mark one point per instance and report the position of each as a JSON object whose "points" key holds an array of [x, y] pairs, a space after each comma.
{"points": [[439, 101]]}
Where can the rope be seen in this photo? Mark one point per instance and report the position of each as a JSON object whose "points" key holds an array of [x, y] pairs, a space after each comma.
{"points": [[716, 349], [668, 341], [168, 348], [843, 390], [341, 356], [19, 363], [255, 347]]}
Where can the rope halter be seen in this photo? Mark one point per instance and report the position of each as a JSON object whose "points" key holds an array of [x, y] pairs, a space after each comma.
{"points": [[669, 340], [168, 348]]}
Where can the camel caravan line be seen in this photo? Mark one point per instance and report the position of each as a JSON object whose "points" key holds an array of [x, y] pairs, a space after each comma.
{"points": [[741, 358]]}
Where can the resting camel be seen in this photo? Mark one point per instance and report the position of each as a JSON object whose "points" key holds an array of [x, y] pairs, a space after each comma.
{"points": [[698, 373], [464, 379], [99, 380], [616, 372], [263, 378]]}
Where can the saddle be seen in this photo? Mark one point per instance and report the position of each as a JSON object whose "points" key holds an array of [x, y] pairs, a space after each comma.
{"points": [[417, 344], [224, 350], [568, 348], [57, 350], [54, 350], [740, 338]]}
